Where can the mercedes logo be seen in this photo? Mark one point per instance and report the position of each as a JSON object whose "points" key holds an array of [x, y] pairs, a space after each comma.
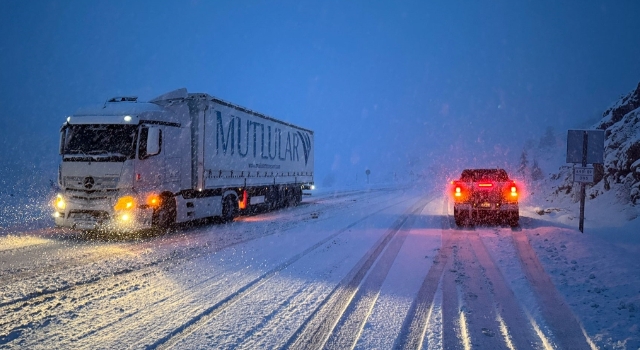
{"points": [[88, 182]]}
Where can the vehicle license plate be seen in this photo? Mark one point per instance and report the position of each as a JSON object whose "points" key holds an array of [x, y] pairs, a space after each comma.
{"points": [[485, 205]]}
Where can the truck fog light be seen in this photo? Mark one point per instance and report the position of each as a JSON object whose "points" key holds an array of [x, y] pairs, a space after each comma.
{"points": [[59, 202], [125, 217], [56, 214]]}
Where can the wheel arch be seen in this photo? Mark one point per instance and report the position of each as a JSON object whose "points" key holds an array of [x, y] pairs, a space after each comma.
{"points": [[232, 193]]}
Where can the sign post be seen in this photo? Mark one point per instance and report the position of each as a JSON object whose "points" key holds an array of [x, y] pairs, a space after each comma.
{"points": [[584, 146]]}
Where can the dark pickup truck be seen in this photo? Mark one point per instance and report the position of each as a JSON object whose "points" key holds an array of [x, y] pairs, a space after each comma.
{"points": [[482, 195]]}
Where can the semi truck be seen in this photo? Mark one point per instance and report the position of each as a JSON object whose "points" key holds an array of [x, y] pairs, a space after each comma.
{"points": [[129, 165], [485, 195]]}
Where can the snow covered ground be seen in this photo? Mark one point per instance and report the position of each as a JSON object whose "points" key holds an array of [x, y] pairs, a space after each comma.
{"points": [[377, 267]]}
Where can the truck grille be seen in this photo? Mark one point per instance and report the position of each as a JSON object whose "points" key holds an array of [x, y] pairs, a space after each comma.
{"points": [[91, 196], [90, 183]]}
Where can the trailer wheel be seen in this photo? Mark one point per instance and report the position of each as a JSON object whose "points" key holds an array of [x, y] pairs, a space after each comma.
{"points": [[296, 197], [165, 216], [229, 209], [299, 195]]}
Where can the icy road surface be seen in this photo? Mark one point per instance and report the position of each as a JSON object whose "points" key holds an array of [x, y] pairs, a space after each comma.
{"points": [[371, 269]]}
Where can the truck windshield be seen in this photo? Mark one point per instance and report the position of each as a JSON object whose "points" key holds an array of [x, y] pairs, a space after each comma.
{"points": [[112, 141]]}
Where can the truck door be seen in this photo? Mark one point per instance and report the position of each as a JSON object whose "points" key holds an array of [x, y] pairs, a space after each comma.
{"points": [[150, 163]]}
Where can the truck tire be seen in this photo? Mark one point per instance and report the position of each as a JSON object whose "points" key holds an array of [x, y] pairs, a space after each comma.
{"points": [[460, 217], [297, 197], [165, 216], [290, 198], [229, 209]]}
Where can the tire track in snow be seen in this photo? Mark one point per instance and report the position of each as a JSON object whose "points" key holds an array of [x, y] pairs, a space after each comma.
{"points": [[37, 301], [520, 331], [173, 257], [316, 330], [349, 326], [487, 307], [176, 335], [566, 329], [478, 299], [415, 323]]}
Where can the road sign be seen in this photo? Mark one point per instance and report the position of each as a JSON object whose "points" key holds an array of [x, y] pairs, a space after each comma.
{"points": [[595, 146], [584, 147], [581, 174]]}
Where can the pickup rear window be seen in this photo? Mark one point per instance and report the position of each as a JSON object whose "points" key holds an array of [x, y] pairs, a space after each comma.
{"points": [[472, 175]]}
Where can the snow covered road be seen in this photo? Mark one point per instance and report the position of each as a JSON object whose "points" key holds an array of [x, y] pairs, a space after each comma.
{"points": [[382, 268]]}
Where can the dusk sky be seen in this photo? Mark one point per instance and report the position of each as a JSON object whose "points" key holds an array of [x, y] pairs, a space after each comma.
{"points": [[382, 84]]}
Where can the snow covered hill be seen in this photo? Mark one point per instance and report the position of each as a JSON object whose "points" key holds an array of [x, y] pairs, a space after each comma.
{"points": [[621, 123]]}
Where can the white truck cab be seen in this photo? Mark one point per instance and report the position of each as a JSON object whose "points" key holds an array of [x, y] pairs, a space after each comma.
{"points": [[133, 165]]}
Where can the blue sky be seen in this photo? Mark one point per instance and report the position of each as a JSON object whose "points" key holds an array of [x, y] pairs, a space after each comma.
{"points": [[383, 84]]}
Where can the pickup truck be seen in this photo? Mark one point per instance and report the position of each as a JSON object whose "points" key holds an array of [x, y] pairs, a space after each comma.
{"points": [[482, 195]]}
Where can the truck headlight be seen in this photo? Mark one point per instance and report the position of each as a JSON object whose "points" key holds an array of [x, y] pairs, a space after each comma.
{"points": [[59, 202], [125, 203]]}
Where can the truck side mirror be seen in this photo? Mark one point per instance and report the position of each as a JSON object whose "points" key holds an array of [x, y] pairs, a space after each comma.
{"points": [[153, 141]]}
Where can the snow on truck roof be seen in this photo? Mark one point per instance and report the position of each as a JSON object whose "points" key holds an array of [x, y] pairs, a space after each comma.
{"points": [[119, 108], [484, 174], [183, 94], [129, 105]]}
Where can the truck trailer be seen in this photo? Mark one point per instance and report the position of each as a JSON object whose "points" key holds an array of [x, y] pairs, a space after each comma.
{"points": [[129, 165]]}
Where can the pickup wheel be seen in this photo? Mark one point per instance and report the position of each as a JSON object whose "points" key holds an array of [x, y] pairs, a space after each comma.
{"points": [[165, 216], [229, 209], [460, 217], [513, 219]]}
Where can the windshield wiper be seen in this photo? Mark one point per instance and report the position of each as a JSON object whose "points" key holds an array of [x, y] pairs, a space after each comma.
{"points": [[103, 153]]}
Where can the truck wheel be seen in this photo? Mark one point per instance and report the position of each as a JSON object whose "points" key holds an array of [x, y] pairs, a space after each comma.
{"points": [[229, 209], [460, 217], [297, 197], [290, 198], [165, 216]]}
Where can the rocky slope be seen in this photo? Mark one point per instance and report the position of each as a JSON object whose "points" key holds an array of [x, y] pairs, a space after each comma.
{"points": [[621, 123], [617, 181]]}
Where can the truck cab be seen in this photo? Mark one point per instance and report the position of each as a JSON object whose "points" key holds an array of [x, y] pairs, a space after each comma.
{"points": [[117, 161]]}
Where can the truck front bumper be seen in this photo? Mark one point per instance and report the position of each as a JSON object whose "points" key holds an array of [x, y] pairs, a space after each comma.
{"points": [[100, 219]]}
